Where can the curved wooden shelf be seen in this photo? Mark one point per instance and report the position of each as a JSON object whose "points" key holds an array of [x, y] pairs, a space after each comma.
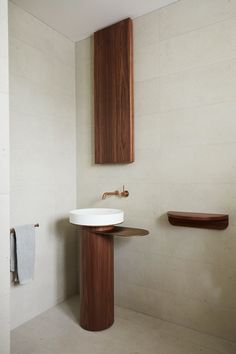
{"points": [[123, 231], [199, 220]]}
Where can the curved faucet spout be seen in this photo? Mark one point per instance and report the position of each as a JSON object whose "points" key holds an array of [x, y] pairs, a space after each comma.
{"points": [[109, 194], [124, 193]]}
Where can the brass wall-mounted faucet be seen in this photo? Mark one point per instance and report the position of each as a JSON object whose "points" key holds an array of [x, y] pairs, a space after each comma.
{"points": [[117, 193]]}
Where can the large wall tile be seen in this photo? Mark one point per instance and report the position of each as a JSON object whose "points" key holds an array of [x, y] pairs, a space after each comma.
{"points": [[184, 127], [199, 48], [147, 97], [199, 164], [144, 138], [146, 30], [4, 54], [4, 250], [28, 29], [198, 87], [4, 324], [146, 62], [64, 50], [4, 144], [31, 63], [188, 15]]}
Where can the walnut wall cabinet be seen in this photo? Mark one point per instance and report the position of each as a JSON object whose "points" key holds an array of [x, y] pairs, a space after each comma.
{"points": [[113, 93]]}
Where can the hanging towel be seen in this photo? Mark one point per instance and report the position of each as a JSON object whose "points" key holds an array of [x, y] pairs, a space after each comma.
{"points": [[23, 253], [13, 256], [12, 252]]}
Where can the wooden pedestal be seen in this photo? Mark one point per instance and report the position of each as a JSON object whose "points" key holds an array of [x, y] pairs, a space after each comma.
{"points": [[97, 274], [96, 278]]}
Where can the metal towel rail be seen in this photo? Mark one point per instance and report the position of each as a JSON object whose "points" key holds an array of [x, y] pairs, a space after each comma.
{"points": [[13, 230]]}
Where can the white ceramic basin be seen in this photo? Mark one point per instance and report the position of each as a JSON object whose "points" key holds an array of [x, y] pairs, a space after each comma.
{"points": [[96, 216]]}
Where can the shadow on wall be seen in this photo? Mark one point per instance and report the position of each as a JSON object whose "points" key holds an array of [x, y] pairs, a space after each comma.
{"points": [[121, 242], [67, 259]]}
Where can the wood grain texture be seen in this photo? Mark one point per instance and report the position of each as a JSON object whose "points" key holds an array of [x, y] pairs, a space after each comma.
{"points": [[96, 279], [113, 93], [198, 220], [122, 231]]}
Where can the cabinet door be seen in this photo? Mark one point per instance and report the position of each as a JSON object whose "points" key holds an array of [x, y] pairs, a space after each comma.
{"points": [[113, 93]]}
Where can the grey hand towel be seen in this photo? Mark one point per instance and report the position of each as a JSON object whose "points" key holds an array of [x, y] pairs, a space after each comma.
{"points": [[12, 252], [23, 253], [13, 266]]}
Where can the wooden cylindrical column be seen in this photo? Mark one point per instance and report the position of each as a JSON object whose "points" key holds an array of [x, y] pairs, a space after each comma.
{"points": [[96, 279]]}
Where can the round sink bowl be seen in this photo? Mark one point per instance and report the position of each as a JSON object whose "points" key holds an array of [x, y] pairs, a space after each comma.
{"points": [[96, 216]]}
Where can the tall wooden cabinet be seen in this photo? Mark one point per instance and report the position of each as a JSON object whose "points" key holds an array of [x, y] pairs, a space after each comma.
{"points": [[113, 93]]}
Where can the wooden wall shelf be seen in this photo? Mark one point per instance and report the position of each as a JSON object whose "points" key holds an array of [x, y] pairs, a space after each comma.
{"points": [[124, 232], [198, 220]]}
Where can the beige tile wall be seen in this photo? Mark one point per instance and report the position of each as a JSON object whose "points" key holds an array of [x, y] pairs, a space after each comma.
{"points": [[4, 182], [42, 138], [185, 92]]}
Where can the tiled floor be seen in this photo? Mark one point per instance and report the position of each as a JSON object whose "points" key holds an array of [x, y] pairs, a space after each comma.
{"points": [[57, 331]]}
